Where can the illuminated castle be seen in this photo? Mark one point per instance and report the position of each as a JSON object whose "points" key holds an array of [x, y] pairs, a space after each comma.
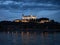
{"points": [[28, 17]]}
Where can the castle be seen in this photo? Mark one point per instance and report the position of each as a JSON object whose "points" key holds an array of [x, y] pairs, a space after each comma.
{"points": [[28, 17], [31, 17]]}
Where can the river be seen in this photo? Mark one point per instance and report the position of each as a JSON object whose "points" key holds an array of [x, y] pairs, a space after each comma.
{"points": [[29, 38]]}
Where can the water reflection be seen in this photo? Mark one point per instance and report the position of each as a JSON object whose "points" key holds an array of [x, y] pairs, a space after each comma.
{"points": [[29, 38]]}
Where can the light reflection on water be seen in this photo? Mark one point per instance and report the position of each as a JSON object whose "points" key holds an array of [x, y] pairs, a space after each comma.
{"points": [[29, 38]]}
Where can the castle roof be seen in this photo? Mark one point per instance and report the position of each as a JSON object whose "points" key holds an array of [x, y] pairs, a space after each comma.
{"points": [[29, 16]]}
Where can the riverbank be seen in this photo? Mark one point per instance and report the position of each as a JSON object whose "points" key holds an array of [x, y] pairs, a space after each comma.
{"points": [[30, 26]]}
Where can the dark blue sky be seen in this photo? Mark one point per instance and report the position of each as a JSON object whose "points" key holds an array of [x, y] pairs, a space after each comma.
{"points": [[13, 9]]}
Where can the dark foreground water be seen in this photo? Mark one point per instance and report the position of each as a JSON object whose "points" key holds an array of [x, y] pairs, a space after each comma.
{"points": [[29, 38]]}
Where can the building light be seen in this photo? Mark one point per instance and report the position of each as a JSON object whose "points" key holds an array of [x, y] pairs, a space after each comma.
{"points": [[29, 17], [17, 20]]}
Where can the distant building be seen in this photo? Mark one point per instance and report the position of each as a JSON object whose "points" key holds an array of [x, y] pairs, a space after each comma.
{"points": [[28, 17], [31, 18], [43, 20], [23, 20], [17, 20]]}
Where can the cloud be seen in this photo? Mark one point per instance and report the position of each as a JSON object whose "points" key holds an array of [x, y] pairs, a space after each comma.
{"points": [[37, 1], [12, 9], [7, 15], [9, 5]]}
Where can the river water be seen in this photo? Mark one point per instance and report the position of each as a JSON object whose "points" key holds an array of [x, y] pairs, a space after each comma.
{"points": [[29, 38]]}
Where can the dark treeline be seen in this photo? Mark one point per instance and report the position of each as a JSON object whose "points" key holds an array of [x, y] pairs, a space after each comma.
{"points": [[13, 26]]}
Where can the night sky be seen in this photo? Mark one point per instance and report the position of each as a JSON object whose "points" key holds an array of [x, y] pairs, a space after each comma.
{"points": [[13, 9]]}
